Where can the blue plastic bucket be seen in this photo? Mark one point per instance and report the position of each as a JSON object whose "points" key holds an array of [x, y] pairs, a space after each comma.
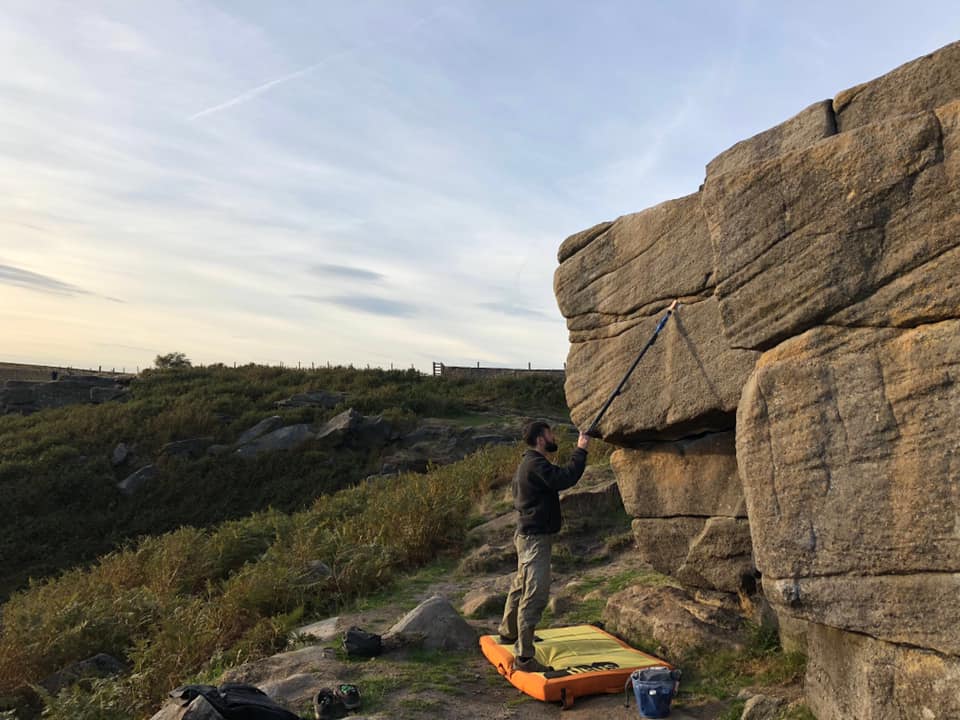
{"points": [[654, 689]]}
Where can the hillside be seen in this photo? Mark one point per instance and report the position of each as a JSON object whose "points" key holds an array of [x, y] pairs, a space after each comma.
{"points": [[59, 472]]}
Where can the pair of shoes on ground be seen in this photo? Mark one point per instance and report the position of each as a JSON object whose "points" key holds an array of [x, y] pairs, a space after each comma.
{"points": [[337, 702]]}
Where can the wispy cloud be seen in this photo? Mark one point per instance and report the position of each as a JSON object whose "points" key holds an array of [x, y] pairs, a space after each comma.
{"points": [[346, 271], [19, 277], [368, 304]]}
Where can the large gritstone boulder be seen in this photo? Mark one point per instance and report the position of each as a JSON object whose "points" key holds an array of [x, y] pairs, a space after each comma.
{"points": [[613, 290], [848, 448], [859, 229], [817, 272]]}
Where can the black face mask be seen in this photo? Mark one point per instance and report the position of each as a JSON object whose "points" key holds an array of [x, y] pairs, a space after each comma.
{"points": [[550, 447]]}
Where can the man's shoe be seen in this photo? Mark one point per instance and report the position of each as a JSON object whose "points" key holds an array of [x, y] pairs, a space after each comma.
{"points": [[327, 706], [530, 665], [506, 640]]}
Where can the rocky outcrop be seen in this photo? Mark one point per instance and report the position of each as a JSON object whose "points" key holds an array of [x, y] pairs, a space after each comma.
{"points": [[613, 292], [850, 467], [315, 398], [286, 438], [816, 269]]}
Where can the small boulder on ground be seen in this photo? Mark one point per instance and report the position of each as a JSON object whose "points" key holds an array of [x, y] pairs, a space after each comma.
{"points": [[435, 625], [263, 427], [322, 631], [192, 448], [287, 438], [120, 454], [133, 482], [762, 707], [488, 558], [340, 425], [483, 602], [316, 398], [100, 665]]}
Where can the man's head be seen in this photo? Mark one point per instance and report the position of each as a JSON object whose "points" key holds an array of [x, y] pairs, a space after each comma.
{"points": [[539, 436]]}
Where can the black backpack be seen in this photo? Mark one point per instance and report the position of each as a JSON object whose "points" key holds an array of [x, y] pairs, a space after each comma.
{"points": [[236, 701], [360, 643]]}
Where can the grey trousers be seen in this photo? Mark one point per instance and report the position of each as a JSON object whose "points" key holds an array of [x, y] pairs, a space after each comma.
{"points": [[529, 592]]}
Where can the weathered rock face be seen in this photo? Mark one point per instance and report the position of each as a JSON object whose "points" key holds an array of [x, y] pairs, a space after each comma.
{"points": [[817, 233], [695, 477], [671, 619], [855, 676], [827, 313], [927, 82], [851, 469], [613, 291]]}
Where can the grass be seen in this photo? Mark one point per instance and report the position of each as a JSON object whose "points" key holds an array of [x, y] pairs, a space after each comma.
{"points": [[722, 674], [174, 604], [55, 467]]}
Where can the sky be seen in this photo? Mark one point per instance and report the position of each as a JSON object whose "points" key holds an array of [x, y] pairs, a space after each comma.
{"points": [[373, 182]]}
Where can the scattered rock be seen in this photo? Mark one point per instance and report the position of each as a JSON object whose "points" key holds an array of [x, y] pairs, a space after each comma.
{"points": [[322, 631], [192, 448], [100, 665], [483, 602], [592, 502], [263, 427], [133, 482], [120, 454], [763, 707], [498, 531], [315, 572], [313, 659], [26, 397], [286, 438], [558, 604], [198, 709], [340, 425], [316, 398], [437, 625], [489, 558], [440, 444]]}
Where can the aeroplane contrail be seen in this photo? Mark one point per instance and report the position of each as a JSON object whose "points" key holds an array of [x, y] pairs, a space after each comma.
{"points": [[250, 94]]}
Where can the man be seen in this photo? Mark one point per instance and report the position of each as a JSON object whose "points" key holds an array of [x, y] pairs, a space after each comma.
{"points": [[536, 496]]}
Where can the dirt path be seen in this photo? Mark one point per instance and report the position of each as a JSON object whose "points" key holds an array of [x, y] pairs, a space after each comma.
{"points": [[464, 687]]}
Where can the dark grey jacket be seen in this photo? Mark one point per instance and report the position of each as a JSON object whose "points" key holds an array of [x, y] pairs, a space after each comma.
{"points": [[536, 491]]}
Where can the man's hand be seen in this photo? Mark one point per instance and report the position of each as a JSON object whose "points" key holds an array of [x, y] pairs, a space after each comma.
{"points": [[583, 441]]}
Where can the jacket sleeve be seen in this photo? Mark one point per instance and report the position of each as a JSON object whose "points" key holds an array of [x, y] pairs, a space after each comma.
{"points": [[560, 478]]}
